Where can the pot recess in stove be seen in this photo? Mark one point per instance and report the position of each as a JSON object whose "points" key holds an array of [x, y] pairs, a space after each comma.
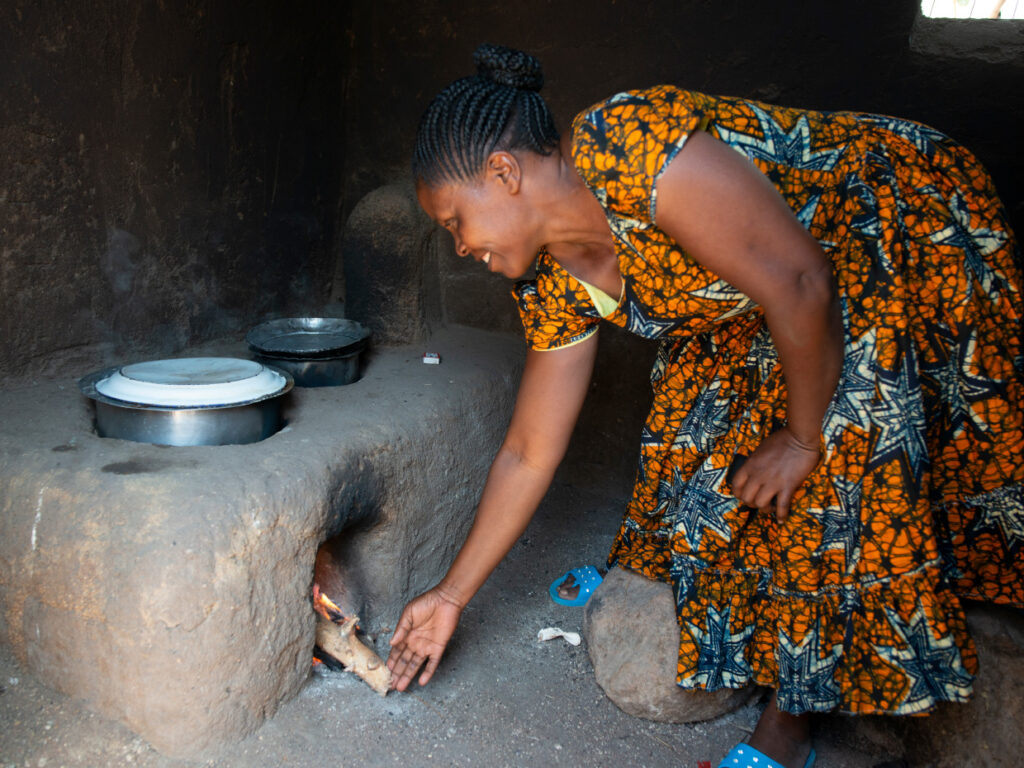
{"points": [[188, 401]]}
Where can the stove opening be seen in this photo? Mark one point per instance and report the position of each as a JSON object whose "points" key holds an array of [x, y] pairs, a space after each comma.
{"points": [[340, 644]]}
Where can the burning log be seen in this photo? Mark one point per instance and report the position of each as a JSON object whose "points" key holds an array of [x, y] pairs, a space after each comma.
{"points": [[336, 636], [340, 642]]}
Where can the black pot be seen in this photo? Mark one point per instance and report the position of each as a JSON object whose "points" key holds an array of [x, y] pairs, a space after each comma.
{"points": [[314, 351]]}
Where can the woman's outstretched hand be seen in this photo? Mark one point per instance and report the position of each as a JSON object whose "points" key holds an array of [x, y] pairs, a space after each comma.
{"points": [[774, 472], [423, 632]]}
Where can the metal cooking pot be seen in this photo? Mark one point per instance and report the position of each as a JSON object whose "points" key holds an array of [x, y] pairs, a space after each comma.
{"points": [[246, 421], [316, 372], [315, 351]]}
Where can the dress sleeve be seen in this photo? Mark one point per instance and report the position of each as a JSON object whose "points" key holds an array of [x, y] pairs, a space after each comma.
{"points": [[555, 309], [622, 146]]}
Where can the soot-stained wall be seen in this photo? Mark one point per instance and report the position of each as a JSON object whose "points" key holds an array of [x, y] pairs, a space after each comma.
{"points": [[170, 173]]}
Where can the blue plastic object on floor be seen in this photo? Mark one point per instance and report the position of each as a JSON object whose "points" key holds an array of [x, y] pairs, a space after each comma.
{"points": [[745, 756], [587, 577]]}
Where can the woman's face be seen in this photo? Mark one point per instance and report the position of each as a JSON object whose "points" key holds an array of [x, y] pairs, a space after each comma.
{"points": [[487, 217]]}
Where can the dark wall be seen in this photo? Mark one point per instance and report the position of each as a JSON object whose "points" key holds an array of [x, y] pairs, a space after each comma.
{"points": [[174, 171], [171, 171]]}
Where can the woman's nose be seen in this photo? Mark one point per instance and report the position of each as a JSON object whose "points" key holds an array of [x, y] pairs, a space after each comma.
{"points": [[461, 248]]}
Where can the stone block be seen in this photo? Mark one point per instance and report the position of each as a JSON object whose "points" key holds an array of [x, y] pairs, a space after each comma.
{"points": [[633, 638]]}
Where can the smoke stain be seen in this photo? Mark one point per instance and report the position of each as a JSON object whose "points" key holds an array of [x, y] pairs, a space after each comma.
{"points": [[135, 467]]}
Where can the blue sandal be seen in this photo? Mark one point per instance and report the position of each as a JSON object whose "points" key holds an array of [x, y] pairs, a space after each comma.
{"points": [[587, 578], [745, 756]]}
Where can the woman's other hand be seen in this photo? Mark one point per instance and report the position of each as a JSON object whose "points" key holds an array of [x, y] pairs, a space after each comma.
{"points": [[774, 472], [729, 217], [422, 634]]}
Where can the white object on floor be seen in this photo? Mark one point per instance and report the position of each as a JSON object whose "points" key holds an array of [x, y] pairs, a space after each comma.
{"points": [[550, 633]]}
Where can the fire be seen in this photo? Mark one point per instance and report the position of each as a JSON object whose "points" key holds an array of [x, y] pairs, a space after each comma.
{"points": [[326, 607], [336, 641]]}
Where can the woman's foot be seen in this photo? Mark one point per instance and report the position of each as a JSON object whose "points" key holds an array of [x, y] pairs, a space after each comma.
{"points": [[785, 738], [569, 589]]}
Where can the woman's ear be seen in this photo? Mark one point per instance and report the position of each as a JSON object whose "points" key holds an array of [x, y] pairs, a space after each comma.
{"points": [[503, 168]]}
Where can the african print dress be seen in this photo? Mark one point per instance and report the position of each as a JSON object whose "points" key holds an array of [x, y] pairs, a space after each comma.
{"points": [[854, 602]]}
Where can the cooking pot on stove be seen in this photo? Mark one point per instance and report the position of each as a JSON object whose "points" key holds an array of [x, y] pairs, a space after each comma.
{"points": [[315, 351], [188, 401]]}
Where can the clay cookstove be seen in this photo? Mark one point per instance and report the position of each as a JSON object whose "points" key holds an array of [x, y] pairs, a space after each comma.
{"points": [[197, 563]]}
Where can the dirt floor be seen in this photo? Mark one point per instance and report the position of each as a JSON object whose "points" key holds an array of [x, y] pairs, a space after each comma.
{"points": [[500, 697]]}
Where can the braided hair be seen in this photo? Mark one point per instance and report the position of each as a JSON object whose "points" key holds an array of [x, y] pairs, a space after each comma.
{"points": [[497, 109]]}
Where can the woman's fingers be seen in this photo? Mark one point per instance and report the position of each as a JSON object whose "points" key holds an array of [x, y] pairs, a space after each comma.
{"points": [[764, 497], [429, 669], [782, 505], [749, 490], [401, 680], [400, 633], [402, 661], [739, 484], [404, 668]]}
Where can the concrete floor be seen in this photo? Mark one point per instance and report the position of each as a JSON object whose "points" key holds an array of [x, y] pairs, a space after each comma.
{"points": [[500, 698]]}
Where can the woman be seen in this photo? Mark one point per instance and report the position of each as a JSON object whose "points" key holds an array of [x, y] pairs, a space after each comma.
{"points": [[829, 464]]}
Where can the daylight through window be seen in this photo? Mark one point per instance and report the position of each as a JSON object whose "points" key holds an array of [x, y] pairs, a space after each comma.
{"points": [[973, 9]]}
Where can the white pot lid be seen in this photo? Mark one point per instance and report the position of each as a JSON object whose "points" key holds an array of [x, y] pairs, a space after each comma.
{"points": [[192, 381]]}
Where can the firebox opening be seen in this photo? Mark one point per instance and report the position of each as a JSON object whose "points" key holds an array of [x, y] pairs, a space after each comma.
{"points": [[340, 643], [336, 578]]}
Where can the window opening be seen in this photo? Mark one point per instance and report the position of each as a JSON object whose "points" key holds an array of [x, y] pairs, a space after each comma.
{"points": [[973, 9], [967, 30]]}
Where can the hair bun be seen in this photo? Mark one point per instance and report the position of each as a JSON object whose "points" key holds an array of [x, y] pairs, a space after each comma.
{"points": [[508, 66]]}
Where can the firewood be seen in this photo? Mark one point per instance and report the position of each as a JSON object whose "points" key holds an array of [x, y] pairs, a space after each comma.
{"points": [[340, 642]]}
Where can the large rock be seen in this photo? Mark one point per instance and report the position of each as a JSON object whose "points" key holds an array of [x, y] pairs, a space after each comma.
{"points": [[170, 587], [633, 638]]}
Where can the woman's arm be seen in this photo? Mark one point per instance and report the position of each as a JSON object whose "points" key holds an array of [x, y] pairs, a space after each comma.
{"points": [[550, 397], [729, 217]]}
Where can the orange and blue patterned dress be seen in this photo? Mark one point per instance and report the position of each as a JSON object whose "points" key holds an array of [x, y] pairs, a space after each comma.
{"points": [[854, 603]]}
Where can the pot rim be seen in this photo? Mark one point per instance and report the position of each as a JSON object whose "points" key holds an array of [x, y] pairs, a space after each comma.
{"points": [[341, 336], [87, 385]]}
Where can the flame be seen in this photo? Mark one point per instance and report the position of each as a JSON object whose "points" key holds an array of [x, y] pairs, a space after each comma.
{"points": [[326, 607]]}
